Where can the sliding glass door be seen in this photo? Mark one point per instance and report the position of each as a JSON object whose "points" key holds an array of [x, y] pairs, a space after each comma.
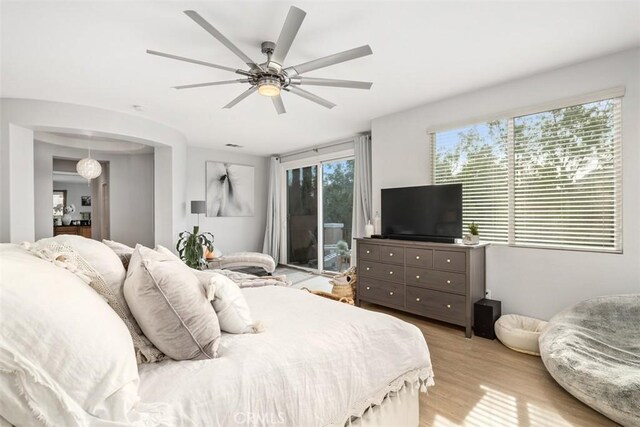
{"points": [[302, 216], [319, 196], [337, 208]]}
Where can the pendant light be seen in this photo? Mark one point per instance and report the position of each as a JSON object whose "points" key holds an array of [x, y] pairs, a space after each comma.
{"points": [[89, 168]]}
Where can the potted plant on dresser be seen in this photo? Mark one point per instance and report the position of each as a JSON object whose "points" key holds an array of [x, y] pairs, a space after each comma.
{"points": [[473, 237]]}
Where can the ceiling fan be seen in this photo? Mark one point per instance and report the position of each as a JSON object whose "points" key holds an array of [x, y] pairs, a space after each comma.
{"points": [[271, 77]]}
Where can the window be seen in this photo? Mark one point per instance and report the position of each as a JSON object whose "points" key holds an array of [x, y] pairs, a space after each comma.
{"points": [[550, 179]]}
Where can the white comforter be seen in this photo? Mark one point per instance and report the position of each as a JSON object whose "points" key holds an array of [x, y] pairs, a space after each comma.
{"points": [[317, 363]]}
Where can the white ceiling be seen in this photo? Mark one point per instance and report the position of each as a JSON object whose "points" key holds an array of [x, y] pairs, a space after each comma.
{"points": [[93, 53], [96, 143], [68, 178]]}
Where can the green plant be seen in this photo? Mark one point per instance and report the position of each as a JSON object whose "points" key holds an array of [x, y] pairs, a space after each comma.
{"points": [[190, 247], [342, 247], [473, 229]]}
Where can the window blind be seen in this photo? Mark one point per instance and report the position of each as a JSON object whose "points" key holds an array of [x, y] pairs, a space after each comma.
{"points": [[476, 157], [551, 179], [567, 166]]}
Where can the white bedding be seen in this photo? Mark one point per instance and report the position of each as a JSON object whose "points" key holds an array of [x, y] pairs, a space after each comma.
{"points": [[317, 363]]}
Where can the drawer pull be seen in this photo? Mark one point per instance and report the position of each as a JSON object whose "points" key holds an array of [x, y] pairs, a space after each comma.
{"points": [[368, 287], [417, 277], [448, 282], [390, 253], [390, 293], [368, 269], [391, 272], [417, 256], [448, 260], [448, 305], [368, 252], [418, 299]]}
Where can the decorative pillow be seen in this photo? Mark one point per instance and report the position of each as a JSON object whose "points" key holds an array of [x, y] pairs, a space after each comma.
{"points": [[65, 356], [65, 255], [122, 251], [165, 251], [230, 305], [171, 306]]}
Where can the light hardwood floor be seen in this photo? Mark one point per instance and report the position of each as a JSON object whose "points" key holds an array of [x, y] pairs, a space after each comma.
{"points": [[482, 383]]}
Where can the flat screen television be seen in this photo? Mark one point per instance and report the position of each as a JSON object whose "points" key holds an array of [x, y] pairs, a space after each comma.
{"points": [[429, 213]]}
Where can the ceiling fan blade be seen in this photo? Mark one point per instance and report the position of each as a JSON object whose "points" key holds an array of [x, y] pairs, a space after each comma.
{"points": [[311, 81], [195, 61], [277, 102], [311, 97], [287, 35], [240, 97], [222, 39], [224, 82], [336, 58]]}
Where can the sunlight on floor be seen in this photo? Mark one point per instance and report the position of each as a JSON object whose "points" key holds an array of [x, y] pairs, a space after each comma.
{"points": [[497, 409], [542, 417]]}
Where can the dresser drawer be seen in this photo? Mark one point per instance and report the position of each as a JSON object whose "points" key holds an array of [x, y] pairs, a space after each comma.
{"points": [[435, 279], [440, 305], [381, 291], [371, 252], [389, 272], [419, 257], [448, 260], [391, 254]]}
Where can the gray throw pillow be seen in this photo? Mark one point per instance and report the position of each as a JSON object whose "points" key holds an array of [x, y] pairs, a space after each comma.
{"points": [[171, 306]]}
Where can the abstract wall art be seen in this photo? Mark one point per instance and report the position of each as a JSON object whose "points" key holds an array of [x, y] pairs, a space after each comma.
{"points": [[230, 189]]}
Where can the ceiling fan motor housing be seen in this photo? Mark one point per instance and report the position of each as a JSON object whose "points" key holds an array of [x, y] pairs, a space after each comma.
{"points": [[268, 47]]}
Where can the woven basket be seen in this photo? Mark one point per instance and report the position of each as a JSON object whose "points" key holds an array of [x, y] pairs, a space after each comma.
{"points": [[345, 300], [341, 290], [344, 284]]}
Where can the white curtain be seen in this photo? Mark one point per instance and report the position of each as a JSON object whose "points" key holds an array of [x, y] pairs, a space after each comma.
{"points": [[361, 189], [271, 244]]}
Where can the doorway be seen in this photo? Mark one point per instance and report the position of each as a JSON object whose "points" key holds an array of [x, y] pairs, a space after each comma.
{"points": [[80, 207], [319, 196]]}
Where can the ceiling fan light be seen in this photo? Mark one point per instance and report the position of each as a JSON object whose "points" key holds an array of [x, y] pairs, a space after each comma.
{"points": [[269, 87], [89, 168]]}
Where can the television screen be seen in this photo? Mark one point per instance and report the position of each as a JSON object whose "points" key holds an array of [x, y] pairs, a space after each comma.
{"points": [[427, 212]]}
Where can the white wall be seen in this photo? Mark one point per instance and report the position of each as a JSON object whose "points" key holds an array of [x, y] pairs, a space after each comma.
{"points": [[535, 282], [21, 116], [232, 234], [131, 189]]}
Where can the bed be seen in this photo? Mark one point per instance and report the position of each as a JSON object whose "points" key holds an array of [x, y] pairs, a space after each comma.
{"points": [[317, 362]]}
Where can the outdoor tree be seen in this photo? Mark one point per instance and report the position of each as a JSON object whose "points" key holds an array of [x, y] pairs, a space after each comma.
{"points": [[567, 152]]}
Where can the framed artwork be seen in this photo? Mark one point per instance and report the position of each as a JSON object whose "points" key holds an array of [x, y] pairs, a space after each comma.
{"points": [[59, 202], [85, 200], [230, 189]]}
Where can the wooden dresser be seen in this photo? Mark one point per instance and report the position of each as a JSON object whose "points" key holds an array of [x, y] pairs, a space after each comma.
{"points": [[435, 280], [80, 230]]}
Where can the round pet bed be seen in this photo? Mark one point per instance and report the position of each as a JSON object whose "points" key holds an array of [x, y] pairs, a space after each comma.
{"points": [[593, 351], [520, 333]]}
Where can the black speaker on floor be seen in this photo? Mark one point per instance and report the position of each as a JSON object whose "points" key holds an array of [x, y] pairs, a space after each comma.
{"points": [[485, 314]]}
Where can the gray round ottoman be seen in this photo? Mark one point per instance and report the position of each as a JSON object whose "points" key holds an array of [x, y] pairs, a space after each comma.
{"points": [[593, 351]]}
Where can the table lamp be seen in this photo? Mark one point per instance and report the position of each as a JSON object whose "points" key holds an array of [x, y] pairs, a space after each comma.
{"points": [[198, 207]]}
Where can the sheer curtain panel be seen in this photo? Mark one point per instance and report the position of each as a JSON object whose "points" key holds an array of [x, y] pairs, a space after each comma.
{"points": [[361, 189], [271, 244]]}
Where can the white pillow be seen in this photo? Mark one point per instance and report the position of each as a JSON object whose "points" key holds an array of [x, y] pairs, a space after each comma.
{"points": [[101, 258], [66, 354], [164, 251], [98, 254], [230, 305], [121, 250], [171, 305]]}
